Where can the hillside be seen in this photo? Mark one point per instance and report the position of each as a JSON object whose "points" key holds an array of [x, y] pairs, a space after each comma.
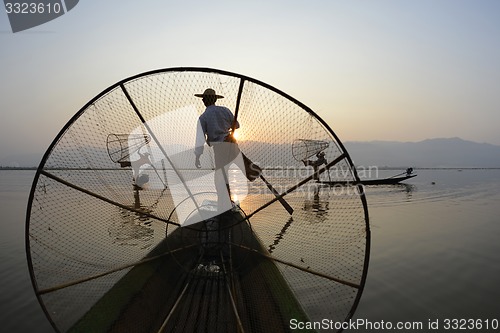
{"points": [[433, 153]]}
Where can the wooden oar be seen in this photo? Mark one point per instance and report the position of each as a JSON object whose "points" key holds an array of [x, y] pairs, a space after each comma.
{"points": [[283, 202], [399, 174]]}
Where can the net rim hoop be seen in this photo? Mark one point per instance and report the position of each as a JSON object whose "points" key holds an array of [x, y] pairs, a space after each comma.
{"points": [[202, 70]]}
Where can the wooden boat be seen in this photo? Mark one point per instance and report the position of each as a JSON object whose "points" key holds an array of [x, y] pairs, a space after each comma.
{"points": [[198, 280], [384, 181]]}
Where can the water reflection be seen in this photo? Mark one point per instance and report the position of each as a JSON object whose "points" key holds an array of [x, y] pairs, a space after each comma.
{"points": [[280, 235], [316, 206], [384, 195], [408, 189], [133, 228], [315, 210]]}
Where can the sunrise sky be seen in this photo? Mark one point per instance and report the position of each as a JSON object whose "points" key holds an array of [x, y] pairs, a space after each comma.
{"points": [[374, 70]]}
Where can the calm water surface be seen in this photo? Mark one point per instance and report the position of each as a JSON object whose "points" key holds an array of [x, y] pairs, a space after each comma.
{"points": [[435, 251], [19, 309]]}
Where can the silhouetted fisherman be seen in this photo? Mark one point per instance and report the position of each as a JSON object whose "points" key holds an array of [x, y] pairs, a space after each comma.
{"points": [[320, 160]]}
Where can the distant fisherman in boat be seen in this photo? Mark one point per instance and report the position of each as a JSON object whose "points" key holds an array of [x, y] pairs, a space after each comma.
{"points": [[409, 171], [316, 164]]}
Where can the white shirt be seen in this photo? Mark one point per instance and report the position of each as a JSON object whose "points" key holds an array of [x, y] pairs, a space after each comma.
{"points": [[215, 124]]}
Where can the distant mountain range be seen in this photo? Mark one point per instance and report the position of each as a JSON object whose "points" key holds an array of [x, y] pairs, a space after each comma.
{"points": [[431, 153], [20, 160]]}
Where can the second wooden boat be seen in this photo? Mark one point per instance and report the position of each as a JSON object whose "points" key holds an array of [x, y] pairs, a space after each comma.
{"points": [[383, 181]]}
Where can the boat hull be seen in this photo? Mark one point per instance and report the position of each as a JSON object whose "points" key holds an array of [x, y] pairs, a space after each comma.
{"points": [[385, 181], [221, 283]]}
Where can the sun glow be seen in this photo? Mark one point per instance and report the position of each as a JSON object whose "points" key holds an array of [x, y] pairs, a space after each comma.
{"points": [[237, 135]]}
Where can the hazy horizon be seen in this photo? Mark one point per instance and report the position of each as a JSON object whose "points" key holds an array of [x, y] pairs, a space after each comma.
{"points": [[374, 71], [394, 150]]}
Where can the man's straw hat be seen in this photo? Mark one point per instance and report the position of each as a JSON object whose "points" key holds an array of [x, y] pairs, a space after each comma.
{"points": [[208, 93]]}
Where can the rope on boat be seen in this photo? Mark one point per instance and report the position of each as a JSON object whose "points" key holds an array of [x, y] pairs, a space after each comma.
{"points": [[233, 304], [347, 283], [100, 197], [230, 261], [114, 270], [177, 302], [165, 322]]}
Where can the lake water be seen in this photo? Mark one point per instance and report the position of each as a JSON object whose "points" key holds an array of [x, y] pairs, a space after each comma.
{"points": [[435, 251], [19, 308]]}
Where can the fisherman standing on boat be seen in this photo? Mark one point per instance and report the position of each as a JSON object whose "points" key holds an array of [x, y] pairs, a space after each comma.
{"points": [[316, 164], [216, 124]]}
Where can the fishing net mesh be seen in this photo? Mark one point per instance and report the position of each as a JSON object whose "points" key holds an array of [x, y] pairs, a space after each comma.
{"points": [[120, 146], [106, 254], [303, 149]]}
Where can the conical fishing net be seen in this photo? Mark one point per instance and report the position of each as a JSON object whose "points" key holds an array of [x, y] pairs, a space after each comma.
{"points": [[303, 149], [121, 146], [143, 246]]}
